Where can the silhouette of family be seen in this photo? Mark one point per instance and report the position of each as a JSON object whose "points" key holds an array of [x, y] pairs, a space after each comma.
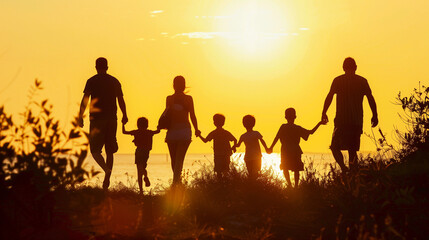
{"points": [[103, 92]]}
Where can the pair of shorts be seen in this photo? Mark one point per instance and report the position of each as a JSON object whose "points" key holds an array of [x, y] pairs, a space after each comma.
{"points": [[291, 162], [141, 155], [253, 164], [102, 132], [346, 138], [221, 163]]}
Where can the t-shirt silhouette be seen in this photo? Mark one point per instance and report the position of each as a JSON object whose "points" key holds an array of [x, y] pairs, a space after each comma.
{"points": [[251, 141], [143, 138], [104, 89], [290, 136], [221, 139], [350, 89]]}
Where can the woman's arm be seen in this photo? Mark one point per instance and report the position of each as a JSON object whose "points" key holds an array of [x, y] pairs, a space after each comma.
{"points": [[193, 117]]}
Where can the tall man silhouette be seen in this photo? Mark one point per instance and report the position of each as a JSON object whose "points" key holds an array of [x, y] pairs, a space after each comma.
{"points": [[103, 89], [350, 89]]}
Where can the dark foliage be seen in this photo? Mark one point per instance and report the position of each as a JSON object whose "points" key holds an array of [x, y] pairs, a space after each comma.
{"points": [[37, 158], [416, 116]]}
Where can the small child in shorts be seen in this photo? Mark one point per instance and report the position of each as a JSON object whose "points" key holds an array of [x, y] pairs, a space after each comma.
{"points": [[290, 135], [143, 141], [251, 139], [221, 146]]}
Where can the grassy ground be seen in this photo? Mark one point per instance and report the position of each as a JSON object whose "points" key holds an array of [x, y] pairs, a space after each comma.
{"points": [[381, 200]]}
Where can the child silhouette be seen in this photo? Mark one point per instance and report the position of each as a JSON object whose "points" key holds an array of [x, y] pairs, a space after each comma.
{"points": [[221, 146], [143, 141], [251, 139], [290, 135]]}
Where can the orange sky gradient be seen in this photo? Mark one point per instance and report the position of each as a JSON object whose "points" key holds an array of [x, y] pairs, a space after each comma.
{"points": [[238, 57]]}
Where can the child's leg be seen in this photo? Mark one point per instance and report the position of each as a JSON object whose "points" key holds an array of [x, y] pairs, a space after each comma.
{"points": [[255, 167], [251, 169], [146, 178], [353, 159], [296, 173], [287, 177], [140, 173]]}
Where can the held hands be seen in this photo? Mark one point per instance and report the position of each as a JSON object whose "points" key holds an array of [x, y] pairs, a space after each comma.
{"points": [[325, 119], [124, 119], [269, 150], [374, 121], [197, 133]]}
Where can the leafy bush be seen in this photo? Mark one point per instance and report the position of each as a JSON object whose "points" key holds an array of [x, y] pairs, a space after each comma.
{"points": [[38, 159], [416, 116], [37, 152]]}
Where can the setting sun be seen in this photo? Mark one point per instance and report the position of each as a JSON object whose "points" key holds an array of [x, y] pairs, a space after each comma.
{"points": [[254, 27]]}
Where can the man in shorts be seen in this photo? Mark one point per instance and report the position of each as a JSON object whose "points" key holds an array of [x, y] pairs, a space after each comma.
{"points": [[350, 89], [103, 89]]}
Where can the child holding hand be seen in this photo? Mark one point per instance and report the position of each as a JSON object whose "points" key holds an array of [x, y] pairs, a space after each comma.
{"points": [[251, 139], [221, 145], [290, 135], [143, 141]]}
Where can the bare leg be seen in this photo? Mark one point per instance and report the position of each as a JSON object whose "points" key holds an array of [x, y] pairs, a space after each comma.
{"points": [[177, 153], [140, 173], [108, 172], [100, 160], [253, 173], [172, 148], [353, 159], [296, 175], [339, 158], [252, 169], [287, 177], [146, 178]]}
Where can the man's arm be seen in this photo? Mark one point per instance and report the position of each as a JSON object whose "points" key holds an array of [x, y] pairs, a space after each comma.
{"points": [[121, 103], [326, 105], [373, 106], [83, 105]]}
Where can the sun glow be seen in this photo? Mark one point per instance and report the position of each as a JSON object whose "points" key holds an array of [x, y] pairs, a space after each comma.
{"points": [[255, 27]]}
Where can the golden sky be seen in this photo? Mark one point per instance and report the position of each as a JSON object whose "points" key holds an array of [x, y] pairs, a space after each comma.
{"points": [[239, 57]]}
